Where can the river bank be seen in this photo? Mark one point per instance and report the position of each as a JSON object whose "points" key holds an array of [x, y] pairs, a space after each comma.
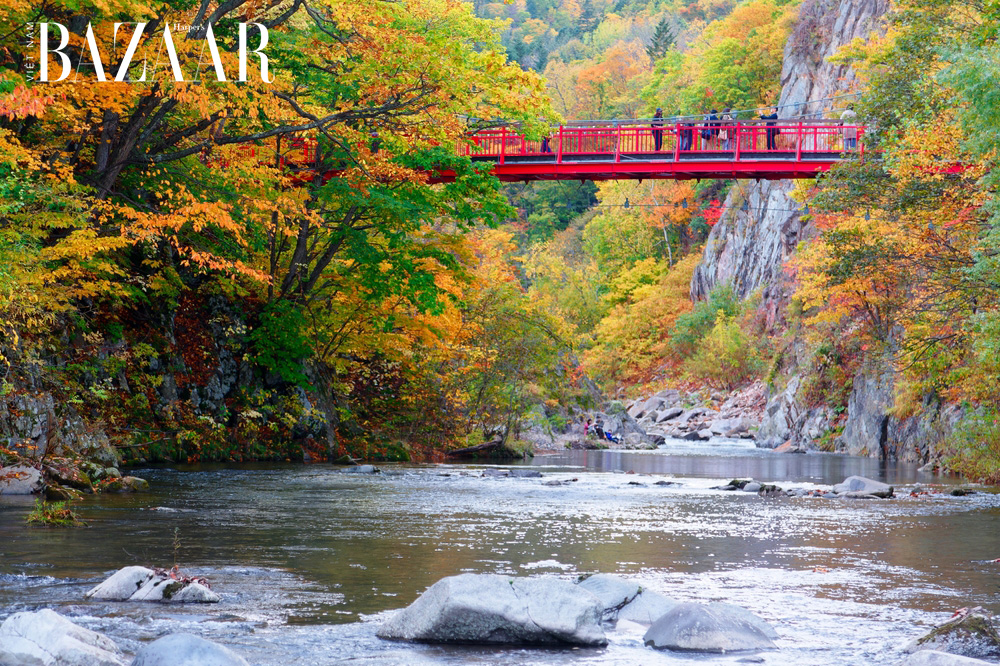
{"points": [[308, 561]]}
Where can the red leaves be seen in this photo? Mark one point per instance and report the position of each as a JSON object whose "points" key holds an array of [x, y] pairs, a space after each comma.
{"points": [[712, 212], [174, 573]]}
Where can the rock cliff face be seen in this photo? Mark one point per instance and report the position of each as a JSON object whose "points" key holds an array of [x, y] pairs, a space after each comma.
{"points": [[747, 248], [761, 227]]}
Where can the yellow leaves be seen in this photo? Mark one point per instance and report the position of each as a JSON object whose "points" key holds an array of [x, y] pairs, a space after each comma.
{"points": [[631, 340]]}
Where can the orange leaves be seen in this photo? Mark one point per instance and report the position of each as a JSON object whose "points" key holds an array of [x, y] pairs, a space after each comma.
{"points": [[611, 86], [23, 102]]}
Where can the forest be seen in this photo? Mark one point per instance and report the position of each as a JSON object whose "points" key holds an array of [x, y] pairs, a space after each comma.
{"points": [[180, 290]]}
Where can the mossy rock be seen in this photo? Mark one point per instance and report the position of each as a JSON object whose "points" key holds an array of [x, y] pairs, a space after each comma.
{"points": [[172, 588], [112, 486], [133, 484], [970, 635], [72, 477], [57, 493]]}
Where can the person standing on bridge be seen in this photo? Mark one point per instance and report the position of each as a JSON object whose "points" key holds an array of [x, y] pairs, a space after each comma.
{"points": [[657, 126], [850, 119], [771, 131], [687, 134], [708, 129], [727, 131]]}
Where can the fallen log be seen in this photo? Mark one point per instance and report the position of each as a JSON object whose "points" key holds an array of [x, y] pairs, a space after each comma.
{"points": [[494, 449]]}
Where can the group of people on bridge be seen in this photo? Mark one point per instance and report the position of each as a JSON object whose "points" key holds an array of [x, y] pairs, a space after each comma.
{"points": [[716, 130]]}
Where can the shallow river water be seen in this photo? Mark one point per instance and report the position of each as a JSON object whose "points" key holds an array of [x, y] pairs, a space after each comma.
{"points": [[308, 560]]}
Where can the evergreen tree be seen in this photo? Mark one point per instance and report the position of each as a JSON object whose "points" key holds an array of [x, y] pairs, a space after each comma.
{"points": [[662, 40]]}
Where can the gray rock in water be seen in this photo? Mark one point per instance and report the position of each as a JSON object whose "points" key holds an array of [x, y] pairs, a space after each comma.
{"points": [[133, 484], [935, 658], [360, 469], [46, 638], [729, 427], [705, 434], [493, 609], [859, 484], [714, 627], [494, 472], [122, 584], [647, 608], [166, 589], [971, 634], [690, 437], [526, 473], [752, 487], [186, 650], [614, 592], [142, 584], [20, 480]]}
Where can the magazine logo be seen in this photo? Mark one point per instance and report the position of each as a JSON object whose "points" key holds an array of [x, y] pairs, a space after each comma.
{"points": [[166, 48]]}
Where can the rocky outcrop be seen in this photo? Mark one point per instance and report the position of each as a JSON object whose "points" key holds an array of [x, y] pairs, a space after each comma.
{"points": [[871, 430], [714, 627], [45, 638], [34, 425], [187, 650], [761, 224], [493, 609], [20, 480], [747, 248]]}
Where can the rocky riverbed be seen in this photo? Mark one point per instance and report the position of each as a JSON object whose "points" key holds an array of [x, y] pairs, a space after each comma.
{"points": [[648, 422]]}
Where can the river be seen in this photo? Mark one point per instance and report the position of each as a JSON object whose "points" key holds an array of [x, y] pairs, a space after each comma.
{"points": [[308, 560]]}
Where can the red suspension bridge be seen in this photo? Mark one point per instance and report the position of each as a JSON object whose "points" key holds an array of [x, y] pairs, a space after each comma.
{"points": [[614, 150]]}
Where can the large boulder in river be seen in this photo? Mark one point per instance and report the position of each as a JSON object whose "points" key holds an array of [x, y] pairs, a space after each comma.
{"points": [[935, 658], [626, 600], [714, 627], [857, 486], [494, 609], [186, 650], [121, 585], [971, 633], [142, 584], [45, 638]]}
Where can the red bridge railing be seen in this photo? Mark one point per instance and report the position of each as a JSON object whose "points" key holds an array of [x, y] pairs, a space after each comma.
{"points": [[617, 150], [721, 140]]}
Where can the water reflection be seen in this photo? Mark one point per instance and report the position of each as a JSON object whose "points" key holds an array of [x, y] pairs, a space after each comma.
{"points": [[734, 460]]}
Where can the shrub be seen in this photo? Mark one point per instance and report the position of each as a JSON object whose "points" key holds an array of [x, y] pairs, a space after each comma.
{"points": [[278, 342], [726, 357], [692, 326], [57, 513], [973, 448]]}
